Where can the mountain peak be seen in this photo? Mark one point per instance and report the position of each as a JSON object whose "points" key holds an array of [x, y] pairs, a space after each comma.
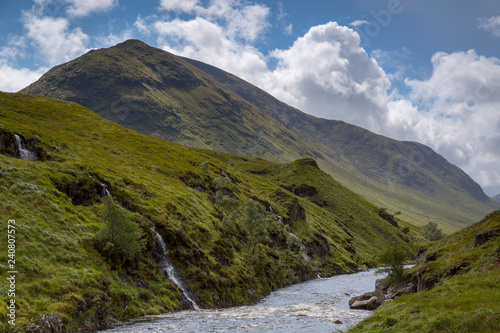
{"points": [[194, 104]]}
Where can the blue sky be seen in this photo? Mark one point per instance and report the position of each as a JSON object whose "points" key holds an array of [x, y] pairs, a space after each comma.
{"points": [[426, 70]]}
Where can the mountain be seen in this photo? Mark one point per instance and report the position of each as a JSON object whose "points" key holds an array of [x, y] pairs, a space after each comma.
{"points": [[235, 228], [458, 283], [496, 198], [197, 105]]}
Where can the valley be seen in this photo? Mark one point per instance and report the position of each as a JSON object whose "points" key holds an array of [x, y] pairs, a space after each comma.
{"points": [[143, 184], [213, 211]]}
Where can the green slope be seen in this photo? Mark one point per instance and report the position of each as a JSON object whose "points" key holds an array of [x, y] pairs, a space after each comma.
{"points": [[466, 295], [194, 104], [57, 205]]}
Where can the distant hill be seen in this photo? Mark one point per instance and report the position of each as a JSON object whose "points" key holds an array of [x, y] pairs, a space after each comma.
{"points": [[194, 104], [496, 198], [205, 204]]}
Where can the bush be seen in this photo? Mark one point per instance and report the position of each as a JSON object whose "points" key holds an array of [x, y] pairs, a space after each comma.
{"points": [[251, 216], [394, 258], [432, 232], [119, 239]]}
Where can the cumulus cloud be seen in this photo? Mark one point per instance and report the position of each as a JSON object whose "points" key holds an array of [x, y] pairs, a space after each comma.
{"points": [[13, 79], [327, 74], [221, 34], [492, 25], [455, 111], [79, 8], [53, 36]]}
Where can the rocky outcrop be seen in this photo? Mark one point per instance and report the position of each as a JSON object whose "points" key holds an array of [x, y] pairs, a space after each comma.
{"points": [[48, 323], [483, 237], [297, 213], [367, 301]]}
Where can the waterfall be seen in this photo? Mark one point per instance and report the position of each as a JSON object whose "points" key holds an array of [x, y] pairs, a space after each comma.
{"points": [[105, 191], [302, 247], [24, 153], [169, 269]]}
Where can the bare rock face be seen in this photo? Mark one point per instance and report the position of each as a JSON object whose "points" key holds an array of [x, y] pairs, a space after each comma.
{"points": [[367, 301]]}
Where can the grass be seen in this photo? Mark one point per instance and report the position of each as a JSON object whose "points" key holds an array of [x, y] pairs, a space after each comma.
{"points": [[57, 205], [463, 301]]}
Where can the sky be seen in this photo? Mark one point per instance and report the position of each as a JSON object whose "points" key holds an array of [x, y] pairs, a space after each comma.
{"points": [[417, 70]]}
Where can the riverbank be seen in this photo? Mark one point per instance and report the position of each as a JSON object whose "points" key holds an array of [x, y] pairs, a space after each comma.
{"points": [[315, 306]]}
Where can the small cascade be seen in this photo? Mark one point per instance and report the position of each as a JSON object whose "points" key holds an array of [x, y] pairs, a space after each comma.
{"points": [[105, 191], [303, 250], [169, 269], [24, 153], [302, 247]]}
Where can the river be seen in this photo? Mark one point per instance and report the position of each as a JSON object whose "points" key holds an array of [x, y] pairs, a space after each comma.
{"points": [[312, 307]]}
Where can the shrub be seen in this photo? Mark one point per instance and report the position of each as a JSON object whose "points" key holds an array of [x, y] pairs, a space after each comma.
{"points": [[252, 217], [432, 232], [119, 238], [394, 258]]}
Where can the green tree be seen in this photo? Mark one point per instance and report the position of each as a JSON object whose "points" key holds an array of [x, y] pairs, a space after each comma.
{"points": [[119, 238], [252, 218], [393, 257], [255, 221], [432, 232]]}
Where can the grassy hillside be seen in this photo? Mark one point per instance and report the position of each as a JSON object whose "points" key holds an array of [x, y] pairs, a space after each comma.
{"points": [[200, 201], [464, 277], [404, 176], [194, 104]]}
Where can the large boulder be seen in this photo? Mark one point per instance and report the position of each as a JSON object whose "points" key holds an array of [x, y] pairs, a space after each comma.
{"points": [[367, 301], [485, 236]]}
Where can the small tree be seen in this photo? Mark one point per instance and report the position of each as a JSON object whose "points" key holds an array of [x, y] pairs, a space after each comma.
{"points": [[393, 257], [119, 237], [255, 221], [432, 232], [223, 200], [250, 216]]}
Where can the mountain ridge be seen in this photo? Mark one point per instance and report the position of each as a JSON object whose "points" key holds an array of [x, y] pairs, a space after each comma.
{"points": [[198, 105]]}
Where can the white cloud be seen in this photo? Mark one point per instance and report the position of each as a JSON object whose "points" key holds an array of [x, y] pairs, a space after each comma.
{"points": [[179, 5], [80, 8], [358, 23], [288, 29], [246, 22], [54, 38], [456, 112], [13, 79], [327, 74], [220, 34], [491, 25]]}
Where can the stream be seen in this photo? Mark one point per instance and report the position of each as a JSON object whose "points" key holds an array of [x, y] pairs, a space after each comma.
{"points": [[313, 307]]}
